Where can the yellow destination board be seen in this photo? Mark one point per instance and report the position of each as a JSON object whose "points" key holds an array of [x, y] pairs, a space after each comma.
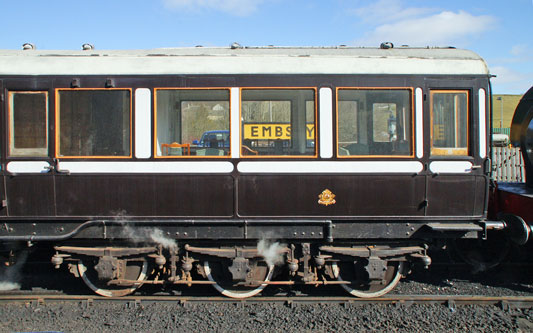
{"points": [[273, 131]]}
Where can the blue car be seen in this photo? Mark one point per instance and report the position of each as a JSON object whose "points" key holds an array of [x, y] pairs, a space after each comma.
{"points": [[213, 139]]}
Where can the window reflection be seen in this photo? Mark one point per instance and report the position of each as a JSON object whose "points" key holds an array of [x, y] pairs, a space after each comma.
{"points": [[28, 123], [278, 122], [192, 122], [449, 123], [375, 122]]}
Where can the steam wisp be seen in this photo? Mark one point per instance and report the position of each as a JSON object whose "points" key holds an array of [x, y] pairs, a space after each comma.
{"points": [[271, 252], [142, 235], [11, 275], [157, 236], [6, 286]]}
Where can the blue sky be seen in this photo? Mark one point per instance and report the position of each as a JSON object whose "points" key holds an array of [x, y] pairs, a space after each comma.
{"points": [[500, 31]]}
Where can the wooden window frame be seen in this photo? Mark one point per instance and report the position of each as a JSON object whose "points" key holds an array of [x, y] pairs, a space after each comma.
{"points": [[57, 123], [413, 123], [443, 152], [11, 126], [228, 156], [241, 123]]}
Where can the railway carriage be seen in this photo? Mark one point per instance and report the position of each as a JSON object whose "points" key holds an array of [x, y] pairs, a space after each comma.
{"points": [[243, 167]]}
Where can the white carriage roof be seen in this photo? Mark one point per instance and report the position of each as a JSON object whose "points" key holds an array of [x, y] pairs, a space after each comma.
{"points": [[249, 60]]}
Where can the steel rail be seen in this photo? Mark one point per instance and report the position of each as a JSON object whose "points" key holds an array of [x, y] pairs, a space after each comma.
{"points": [[451, 301]]}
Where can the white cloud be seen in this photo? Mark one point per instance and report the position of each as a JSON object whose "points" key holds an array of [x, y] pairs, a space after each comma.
{"points": [[388, 10], [419, 26], [520, 50], [514, 73], [522, 53], [510, 81], [235, 7], [505, 75]]}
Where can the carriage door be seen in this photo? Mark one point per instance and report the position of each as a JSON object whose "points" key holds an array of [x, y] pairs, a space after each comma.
{"points": [[456, 176], [3, 210], [28, 178]]}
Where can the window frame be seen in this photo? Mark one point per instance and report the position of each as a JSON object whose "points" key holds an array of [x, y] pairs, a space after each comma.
{"points": [[156, 156], [57, 124], [432, 150], [412, 122], [241, 124], [11, 125]]}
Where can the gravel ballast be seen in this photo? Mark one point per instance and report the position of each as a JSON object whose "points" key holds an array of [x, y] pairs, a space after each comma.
{"points": [[510, 280], [227, 317]]}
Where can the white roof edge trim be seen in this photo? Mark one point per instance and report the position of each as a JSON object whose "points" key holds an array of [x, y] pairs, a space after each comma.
{"points": [[248, 61]]}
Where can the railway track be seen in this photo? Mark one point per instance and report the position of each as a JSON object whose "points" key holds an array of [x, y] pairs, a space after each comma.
{"points": [[451, 301]]}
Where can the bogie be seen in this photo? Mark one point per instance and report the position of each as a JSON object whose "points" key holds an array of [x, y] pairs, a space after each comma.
{"points": [[241, 272]]}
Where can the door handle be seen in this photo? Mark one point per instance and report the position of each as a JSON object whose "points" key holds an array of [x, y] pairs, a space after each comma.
{"points": [[476, 167]]}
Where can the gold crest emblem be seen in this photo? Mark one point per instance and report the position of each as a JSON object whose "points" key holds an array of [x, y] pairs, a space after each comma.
{"points": [[326, 198]]}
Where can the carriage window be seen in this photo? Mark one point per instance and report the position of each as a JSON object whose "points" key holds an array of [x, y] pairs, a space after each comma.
{"points": [[449, 123], [278, 122], [192, 122], [374, 122], [28, 123], [347, 122], [94, 123]]}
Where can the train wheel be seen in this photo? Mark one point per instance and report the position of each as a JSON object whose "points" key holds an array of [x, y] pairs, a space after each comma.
{"points": [[216, 272], [135, 270], [363, 287]]}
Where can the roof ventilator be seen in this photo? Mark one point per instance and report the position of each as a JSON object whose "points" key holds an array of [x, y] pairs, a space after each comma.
{"points": [[87, 47], [235, 45], [28, 46], [386, 45]]}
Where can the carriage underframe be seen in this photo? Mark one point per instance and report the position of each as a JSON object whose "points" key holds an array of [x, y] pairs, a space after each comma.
{"points": [[366, 258]]}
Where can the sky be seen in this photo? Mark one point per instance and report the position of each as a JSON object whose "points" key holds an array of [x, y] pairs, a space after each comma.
{"points": [[500, 31]]}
